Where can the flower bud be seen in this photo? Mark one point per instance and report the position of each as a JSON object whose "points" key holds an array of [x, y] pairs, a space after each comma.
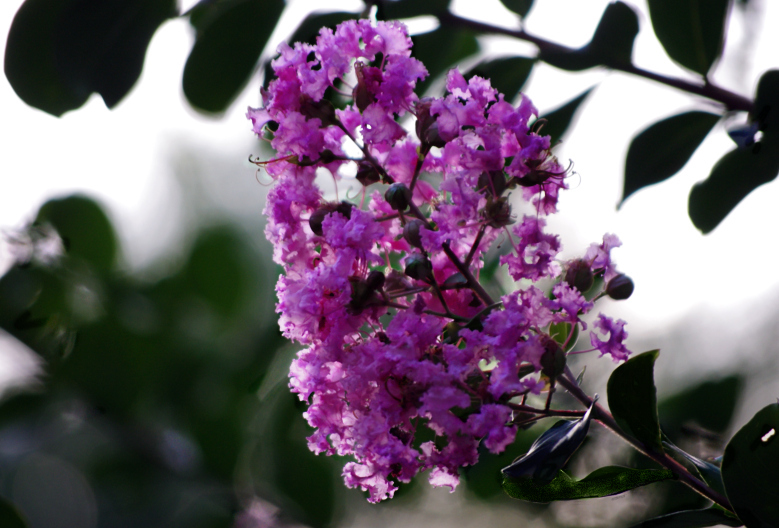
{"points": [[318, 216], [322, 110], [411, 232], [375, 280], [579, 275], [361, 95], [398, 196], [553, 359], [419, 267], [492, 182], [367, 173], [620, 287], [498, 212], [427, 127]]}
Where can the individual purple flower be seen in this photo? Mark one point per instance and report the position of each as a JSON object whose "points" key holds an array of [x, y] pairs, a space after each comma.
{"points": [[535, 251], [614, 345]]}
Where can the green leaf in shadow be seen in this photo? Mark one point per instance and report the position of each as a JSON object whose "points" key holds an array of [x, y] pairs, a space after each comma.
{"points": [[226, 51], [633, 399], [507, 74], [661, 150], [441, 49], [609, 480], [398, 9], [691, 519], [559, 120], [766, 111], [749, 469], [732, 178], [10, 516], [691, 31], [611, 44], [520, 7]]}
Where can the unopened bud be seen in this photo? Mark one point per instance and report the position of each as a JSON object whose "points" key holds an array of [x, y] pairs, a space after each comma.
{"points": [[367, 173], [498, 212], [361, 95], [579, 275], [375, 280], [318, 216], [322, 110], [493, 182], [419, 267], [411, 232], [620, 287], [427, 127], [398, 196], [553, 359]]}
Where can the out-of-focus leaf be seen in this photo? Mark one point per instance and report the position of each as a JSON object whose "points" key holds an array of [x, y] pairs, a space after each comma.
{"points": [[560, 332], [749, 469], [441, 49], [226, 51], [691, 519], [709, 405], [61, 51], [732, 178], [520, 7], [507, 74], [10, 516], [611, 44], [397, 9], [633, 399], [551, 451], [661, 150], [603, 482], [559, 120], [214, 271], [691, 31], [308, 30], [84, 228], [766, 112]]}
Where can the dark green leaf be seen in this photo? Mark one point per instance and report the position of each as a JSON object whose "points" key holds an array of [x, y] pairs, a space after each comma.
{"points": [[611, 44], [710, 473], [603, 482], [691, 31], [709, 404], [84, 228], [633, 399], [661, 150], [10, 516], [507, 75], [441, 49], [226, 51], [691, 519], [733, 177], [766, 111], [61, 51], [397, 9], [308, 30], [551, 451], [749, 469], [30, 62], [520, 7], [560, 332], [559, 120]]}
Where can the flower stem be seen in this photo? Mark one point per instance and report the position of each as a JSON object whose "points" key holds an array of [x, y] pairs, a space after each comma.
{"points": [[477, 288]]}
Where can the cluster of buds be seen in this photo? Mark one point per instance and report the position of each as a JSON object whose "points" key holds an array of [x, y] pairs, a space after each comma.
{"points": [[402, 342]]}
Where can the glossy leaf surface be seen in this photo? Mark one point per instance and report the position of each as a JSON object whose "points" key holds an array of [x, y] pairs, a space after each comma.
{"points": [[633, 398], [227, 47], [691, 31], [661, 150], [749, 469], [606, 481]]}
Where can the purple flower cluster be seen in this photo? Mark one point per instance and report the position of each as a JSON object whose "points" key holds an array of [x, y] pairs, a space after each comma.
{"points": [[409, 363]]}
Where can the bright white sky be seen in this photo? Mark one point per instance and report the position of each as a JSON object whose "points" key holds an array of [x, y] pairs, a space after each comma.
{"points": [[125, 158]]}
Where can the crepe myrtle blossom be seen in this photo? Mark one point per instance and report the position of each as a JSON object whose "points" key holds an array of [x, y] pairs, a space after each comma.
{"points": [[408, 362]]}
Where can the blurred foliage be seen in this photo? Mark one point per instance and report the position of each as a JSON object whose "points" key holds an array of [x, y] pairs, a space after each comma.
{"points": [[147, 402], [61, 51]]}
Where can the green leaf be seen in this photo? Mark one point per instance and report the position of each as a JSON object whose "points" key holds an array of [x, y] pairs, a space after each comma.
{"points": [[560, 332], [551, 451], [691, 31], [611, 44], [709, 404], [507, 74], [308, 30], [766, 111], [61, 51], [710, 473], [520, 7], [691, 519], [661, 150], [10, 516], [633, 399], [398, 9], [749, 469], [84, 228], [441, 49], [226, 51], [732, 178], [559, 120], [609, 480]]}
